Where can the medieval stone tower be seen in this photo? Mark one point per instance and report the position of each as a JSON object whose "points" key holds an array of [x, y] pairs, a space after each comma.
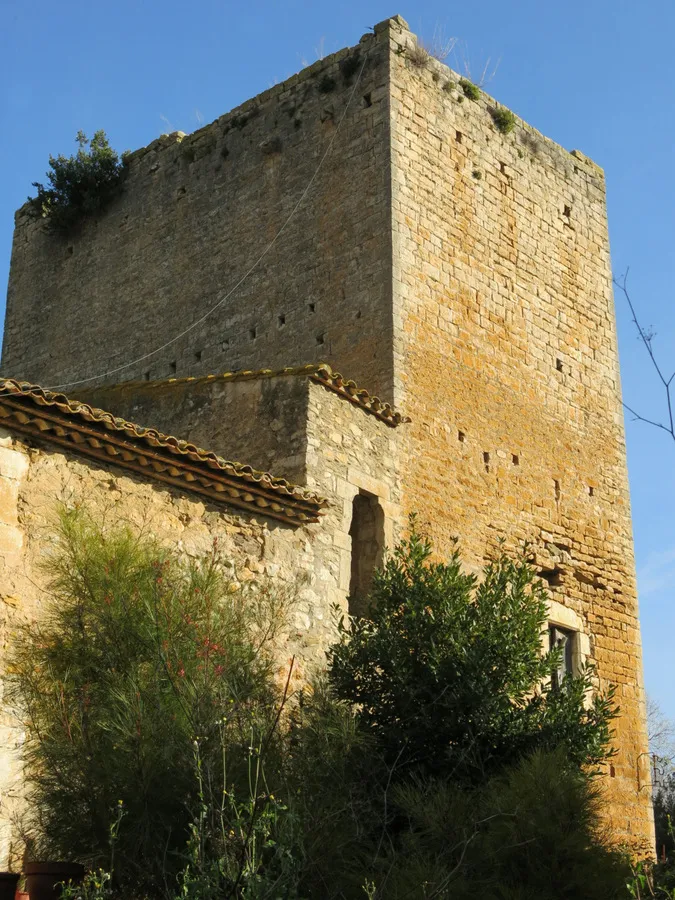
{"points": [[458, 272]]}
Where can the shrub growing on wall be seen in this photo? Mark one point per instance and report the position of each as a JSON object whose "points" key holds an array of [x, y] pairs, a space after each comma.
{"points": [[79, 185], [136, 656]]}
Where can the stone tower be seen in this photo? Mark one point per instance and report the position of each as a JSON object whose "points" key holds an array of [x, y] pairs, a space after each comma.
{"points": [[459, 272]]}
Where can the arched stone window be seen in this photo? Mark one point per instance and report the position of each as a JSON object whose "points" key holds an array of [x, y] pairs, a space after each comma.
{"points": [[367, 534]]}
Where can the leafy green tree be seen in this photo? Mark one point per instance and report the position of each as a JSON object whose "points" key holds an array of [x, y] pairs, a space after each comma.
{"points": [[79, 185], [448, 674]]}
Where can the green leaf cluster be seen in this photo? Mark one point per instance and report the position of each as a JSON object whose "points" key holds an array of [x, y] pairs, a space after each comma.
{"points": [[449, 675], [137, 655], [80, 185]]}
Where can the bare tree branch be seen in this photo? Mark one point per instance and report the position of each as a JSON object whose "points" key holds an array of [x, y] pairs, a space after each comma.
{"points": [[667, 382]]}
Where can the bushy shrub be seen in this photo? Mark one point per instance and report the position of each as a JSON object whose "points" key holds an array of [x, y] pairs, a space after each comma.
{"points": [[469, 89], [79, 185], [504, 119], [136, 656], [448, 674]]}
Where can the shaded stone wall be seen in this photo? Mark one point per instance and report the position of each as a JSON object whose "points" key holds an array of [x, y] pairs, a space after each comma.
{"points": [[507, 362], [259, 421], [195, 215]]}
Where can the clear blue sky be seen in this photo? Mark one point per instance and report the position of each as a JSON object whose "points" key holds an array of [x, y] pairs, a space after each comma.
{"points": [[596, 76]]}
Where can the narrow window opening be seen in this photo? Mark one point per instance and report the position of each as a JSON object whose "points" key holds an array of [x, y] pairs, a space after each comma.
{"points": [[225, 344], [552, 577], [563, 640], [486, 461], [367, 534], [320, 338], [282, 321], [458, 137], [252, 333], [612, 771], [311, 307], [358, 314], [556, 487], [146, 376], [515, 459], [70, 251], [591, 490], [502, 168], [198, 355], [172, 368], [559, 365], [367, 100], [567, 212], [461, 437]]}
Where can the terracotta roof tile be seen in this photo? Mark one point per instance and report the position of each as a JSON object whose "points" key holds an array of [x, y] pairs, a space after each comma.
{"points": [[318, 372], [93, 432]]}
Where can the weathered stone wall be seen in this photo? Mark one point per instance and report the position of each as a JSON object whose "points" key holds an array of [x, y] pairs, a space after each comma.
{"points": [[195, 215], [507, 361], [259, 421], [347, 450]]}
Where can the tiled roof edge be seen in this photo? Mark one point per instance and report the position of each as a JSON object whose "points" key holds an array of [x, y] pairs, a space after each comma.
{"points": [[86, 429], [321, 373]]}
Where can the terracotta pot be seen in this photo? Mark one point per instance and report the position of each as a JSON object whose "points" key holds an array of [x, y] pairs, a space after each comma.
{"points": [[8, 883], [42, 878]]}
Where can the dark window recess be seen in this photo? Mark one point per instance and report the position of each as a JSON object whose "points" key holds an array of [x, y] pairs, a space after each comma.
{"points": [[486, 461], [562, 640], [502, 168], [198, 355], [559, 365], [146, 376], [172, 368], [367, 100], [367, 534], [461, 437], [252, 333], [311, 307], [458, 137], [591, 490], [515, 459], [226, 343], [358, 314], [567, 212], [282, 321], [556, 488], [320, 338], [553, 577]]}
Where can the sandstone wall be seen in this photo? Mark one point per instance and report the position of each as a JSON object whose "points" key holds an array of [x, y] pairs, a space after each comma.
{"points": [[195, 215], [506, 359]]}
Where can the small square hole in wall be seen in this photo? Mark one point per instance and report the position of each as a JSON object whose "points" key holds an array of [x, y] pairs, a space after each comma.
{"points": [[320, 338], [172, 368], [502, 168], [461, 437], [367, 100], [559, 365], [311, 307], [515, 459], [252, 333], [70, 251], [146, 376], [591, 490], [458, 137], [198, 355], [567, 212], [486, 461], [281, 320]]}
